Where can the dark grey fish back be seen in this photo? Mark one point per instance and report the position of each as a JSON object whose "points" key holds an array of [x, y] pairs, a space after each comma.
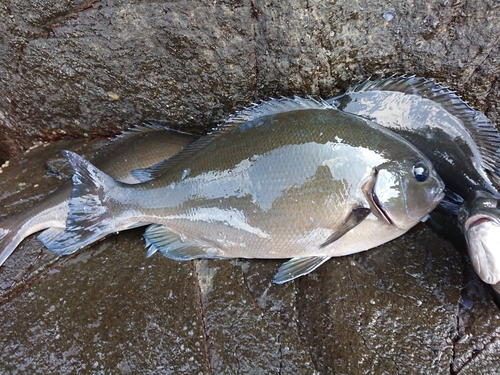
{"points": [[451, 140], [482, 130], [319, 126]]}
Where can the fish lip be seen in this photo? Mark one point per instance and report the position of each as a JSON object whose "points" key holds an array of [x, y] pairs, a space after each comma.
{"points": [[439, 196], [476, 220], [378, 207], [373, 199]]}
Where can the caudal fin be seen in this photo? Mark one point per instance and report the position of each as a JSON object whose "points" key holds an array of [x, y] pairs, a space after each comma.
{"points": [[8, 243], [90, 212], [14, 229]]}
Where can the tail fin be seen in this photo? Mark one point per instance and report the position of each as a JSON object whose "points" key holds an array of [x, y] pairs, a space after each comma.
{"points": [[90, 212], [8, 242], [14, 229]]}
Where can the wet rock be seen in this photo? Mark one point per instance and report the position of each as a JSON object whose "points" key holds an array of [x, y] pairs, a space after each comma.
{"points": [[250, 323], [394, 308], [75, 68], [85, 316]]}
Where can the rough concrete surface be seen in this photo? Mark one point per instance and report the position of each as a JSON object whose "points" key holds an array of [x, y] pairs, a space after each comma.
{"points": [[92, 68]]}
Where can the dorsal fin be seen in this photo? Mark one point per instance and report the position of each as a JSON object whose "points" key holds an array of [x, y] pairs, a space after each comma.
{"points": [[146, 127], [481, 129], [266, 108], [275, 106]]}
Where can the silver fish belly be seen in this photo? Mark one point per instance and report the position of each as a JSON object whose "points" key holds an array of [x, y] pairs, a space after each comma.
{"points": [[139, 147], [290, 178]]}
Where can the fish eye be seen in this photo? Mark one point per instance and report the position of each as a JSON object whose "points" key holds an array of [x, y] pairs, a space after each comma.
{"points": [[420, 171]]}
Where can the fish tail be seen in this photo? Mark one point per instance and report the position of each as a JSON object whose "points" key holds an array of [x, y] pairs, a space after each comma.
{"points": [[14, 230], [91, 213], [8, 241]]}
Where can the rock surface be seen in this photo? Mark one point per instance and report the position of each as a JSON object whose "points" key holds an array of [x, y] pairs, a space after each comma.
{"points": [[76, 68], [95, 67]]}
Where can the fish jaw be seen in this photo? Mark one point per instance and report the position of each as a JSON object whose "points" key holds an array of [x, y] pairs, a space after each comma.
{"points": [[483, 246], [479, 220], [388, 197]]}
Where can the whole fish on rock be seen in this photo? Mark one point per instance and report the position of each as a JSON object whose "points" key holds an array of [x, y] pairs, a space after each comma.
{"points": [[139, 147], [289, 178], [463, 145]]}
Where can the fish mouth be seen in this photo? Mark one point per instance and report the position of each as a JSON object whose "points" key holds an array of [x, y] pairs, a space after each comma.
{"points": [[374, 202], [476, 220]]}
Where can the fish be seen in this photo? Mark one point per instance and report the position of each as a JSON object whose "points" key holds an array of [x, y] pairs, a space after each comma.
{"points": [[139, 147], [287, 178], [462, 144], [479, 217]]}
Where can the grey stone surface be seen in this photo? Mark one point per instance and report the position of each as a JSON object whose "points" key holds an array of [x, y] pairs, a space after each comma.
{"points": [[76, 67], [92, 68]]}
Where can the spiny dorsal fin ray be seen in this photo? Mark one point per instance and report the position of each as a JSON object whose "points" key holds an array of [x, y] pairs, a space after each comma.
{"points": [[143, 128], [266, 108], [481, 129], [275, 106], [147, 127]]}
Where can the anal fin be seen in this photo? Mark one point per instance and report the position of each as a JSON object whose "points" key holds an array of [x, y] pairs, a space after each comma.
{"points": [[297, 267], [170, 244]]}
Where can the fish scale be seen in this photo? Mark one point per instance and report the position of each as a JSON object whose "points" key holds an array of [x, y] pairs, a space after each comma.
{"points": [[290, 178]]}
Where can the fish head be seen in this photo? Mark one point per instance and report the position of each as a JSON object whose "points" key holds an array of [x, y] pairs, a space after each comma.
{"points": [[403, 192], [479, 219]]}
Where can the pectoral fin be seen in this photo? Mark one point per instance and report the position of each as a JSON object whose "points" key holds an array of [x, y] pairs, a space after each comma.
{"points": [[297, 267], [356, 216]]}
